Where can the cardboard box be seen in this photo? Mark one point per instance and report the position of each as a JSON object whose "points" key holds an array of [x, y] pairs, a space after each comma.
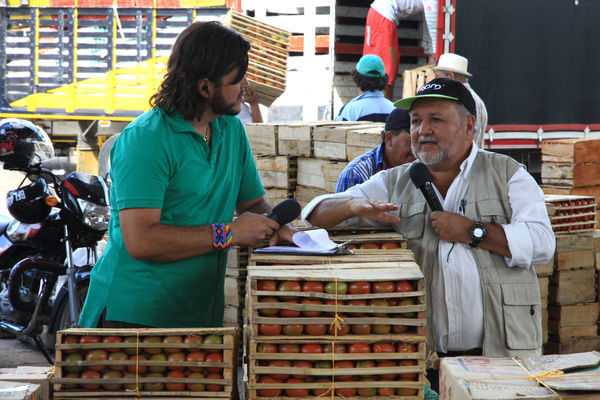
{"points": [[482, 378], [26, 374], [20, 391]]}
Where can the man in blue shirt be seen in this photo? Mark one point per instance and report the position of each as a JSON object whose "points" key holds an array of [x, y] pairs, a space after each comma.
{"points": [[370, 104], [394, 150]]}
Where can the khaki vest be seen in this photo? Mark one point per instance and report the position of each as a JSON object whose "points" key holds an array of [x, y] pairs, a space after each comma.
{"points": [[511, 296]]}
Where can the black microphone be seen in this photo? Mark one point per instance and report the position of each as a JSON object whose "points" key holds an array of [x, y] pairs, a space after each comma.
{"points": [[420, 176], [286, 211]]}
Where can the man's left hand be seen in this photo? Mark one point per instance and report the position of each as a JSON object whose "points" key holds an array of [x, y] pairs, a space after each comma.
{"points": [[283, 234], [451, 227]]}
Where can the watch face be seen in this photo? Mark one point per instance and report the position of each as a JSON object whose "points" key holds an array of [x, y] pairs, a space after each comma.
{"points": [[478, 232]]}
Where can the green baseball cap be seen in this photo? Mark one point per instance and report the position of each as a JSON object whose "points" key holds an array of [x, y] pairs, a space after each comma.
{"points": [[371, 65]]}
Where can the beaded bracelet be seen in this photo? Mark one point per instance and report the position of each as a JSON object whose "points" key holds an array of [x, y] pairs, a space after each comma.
{"points": [[221, 234]]}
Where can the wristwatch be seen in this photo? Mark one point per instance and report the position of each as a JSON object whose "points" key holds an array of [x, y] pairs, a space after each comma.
{"points": [[477, 233]]}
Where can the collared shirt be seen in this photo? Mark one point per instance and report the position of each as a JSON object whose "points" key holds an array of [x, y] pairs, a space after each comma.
{"points": [[458, 311], [361, 168], [161, 162], [369, 106], [481, 118]]}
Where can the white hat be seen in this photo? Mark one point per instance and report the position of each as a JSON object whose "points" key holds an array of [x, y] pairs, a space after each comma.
{"points": [[453, 63]]}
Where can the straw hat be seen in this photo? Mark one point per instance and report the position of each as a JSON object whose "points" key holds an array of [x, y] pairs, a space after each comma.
{"points": [[453, 63]]}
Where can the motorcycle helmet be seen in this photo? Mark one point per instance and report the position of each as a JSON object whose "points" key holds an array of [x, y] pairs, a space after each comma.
{"points": [[23, 144], [28, 203]]}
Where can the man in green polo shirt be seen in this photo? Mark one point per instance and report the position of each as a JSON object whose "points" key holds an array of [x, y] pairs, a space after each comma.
{"points": [[178, 173]]}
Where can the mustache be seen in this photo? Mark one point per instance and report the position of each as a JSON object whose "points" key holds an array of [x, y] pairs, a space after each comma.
{"points": [[427, 139]]}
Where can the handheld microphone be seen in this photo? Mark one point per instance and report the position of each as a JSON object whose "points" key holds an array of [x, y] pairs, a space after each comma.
{"points": [[420, 176], [286, 211]]}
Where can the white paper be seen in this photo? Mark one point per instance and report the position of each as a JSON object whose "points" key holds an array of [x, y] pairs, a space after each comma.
{"points": [[315, 241]]}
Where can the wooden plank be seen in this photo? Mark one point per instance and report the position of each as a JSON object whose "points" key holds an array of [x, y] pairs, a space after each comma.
{"points": [[573, 286], [355, 151], [575, 315], [571, 174], [319, 174], [574, 151], [365, 137], [295, 147], [573, 345], [329, 150], [546, 269], [560, 333], [574, 251], [306, 194], [263, 138]]}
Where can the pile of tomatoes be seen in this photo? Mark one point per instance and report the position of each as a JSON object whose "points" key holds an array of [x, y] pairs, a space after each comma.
{"points": [[567, 212], [140, 356], [282, 376], [374, 245], [338, 296]]}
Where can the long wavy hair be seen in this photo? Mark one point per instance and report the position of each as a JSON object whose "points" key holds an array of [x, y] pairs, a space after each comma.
{"points": [[203, 50]]}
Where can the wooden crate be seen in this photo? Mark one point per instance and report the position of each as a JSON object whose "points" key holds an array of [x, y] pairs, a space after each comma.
{"points": [[372, 242], [277, 195], [329, 141], [263, 138], [70, 344], [574, 345], [571, 174], [384, 368], [277, 171], [296, 139], [574, 286], [574, 315], [574, 251], [571, 213], [305, 194], [546, 269], [573, 151], [357, 309], [319, 174], [413, 79], [361, 140]]}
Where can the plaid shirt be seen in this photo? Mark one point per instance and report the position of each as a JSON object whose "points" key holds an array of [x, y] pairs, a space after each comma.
{"points": [[361, 168]]}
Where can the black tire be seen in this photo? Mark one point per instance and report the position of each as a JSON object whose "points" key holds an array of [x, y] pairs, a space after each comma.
{"points": [[63, 315]]}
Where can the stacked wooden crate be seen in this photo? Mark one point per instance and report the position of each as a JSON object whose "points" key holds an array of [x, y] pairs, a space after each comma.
{"points": [[267, 68], [379, 349], [149, 363], [571, 167], [543, 274], [571, 213], [573, 308], [235, 286]]}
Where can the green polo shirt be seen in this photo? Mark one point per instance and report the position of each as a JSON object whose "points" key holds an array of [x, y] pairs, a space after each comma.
{"points": [[159, 161]]}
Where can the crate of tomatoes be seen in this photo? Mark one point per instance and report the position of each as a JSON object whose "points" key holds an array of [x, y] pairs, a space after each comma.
{"points": [[297, 312], [157, 363]]}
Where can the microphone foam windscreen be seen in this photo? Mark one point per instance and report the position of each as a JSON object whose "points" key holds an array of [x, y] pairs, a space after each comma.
{"points": [[286, 211], [419, 174]]}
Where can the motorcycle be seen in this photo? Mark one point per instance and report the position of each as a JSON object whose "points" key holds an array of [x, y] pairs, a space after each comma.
{"points": [[48, 250]]}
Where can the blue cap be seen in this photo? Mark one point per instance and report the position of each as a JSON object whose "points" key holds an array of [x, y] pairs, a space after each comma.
{"points": [[371, 65]]}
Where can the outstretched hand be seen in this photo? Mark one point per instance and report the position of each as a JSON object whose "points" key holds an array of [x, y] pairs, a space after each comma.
{"points": [[375, 210]]}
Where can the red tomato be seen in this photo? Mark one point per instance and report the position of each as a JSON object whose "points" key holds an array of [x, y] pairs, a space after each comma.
{"points": [[405, 391], [390, 245], [311, 348], [369, 246], [296, 392], [404, 286], [268, 392], [213, 387], [359, 288], [90, 374], [359, 348], [405, 347], [172, 339], [176, 357], [345, 392], [343, 364], [266, 285], [285, 313], [311, 313], [268, 312], [112, 339], [96, 355], [384, 287], [313, 286], [407, 363], [383, 364], [315, 330], [301, 364], [341, 330], [214, 357], [337, 347], [385, 391], [196, 356], [89, 339], [288, 348], [289, 286], [141, 369], [360, 329], [383, 347], [292, 330], [269, 330], [399, 328], [193, 339], [266, 348], [320, 392], [358, 303], [279, 364], [175, 387]]}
